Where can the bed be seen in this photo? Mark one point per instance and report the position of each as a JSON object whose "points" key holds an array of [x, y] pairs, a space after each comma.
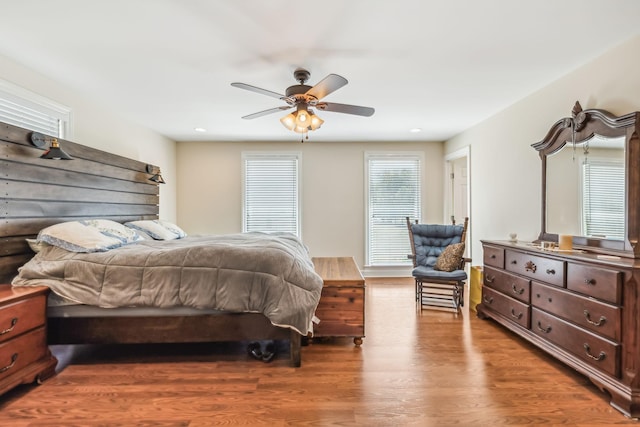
{"points": [[39, 193]]}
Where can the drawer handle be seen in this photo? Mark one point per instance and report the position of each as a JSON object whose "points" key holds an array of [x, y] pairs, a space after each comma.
{"points": [[598, 358], [490, 279], [545, 330], [516, 291], [492, 257], [10, 365], [551, 271], [516, 316], [590, 282], [13, 325], [600, 321], [530, 266], [488, 300]]}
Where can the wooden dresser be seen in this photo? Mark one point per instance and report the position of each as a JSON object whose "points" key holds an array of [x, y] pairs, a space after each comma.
{"points": [[24, 355], [341, 307], [583, 309]]}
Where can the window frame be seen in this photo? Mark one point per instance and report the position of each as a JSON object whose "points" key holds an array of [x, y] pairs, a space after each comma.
{"points": [[395, 155], [43, 105], [297, 155]]}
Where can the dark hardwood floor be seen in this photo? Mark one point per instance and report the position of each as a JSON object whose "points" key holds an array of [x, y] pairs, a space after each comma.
{"points": [[424, 368]]}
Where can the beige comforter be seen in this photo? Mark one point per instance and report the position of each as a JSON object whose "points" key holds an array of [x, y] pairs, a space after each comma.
{"points": [[248, 272]]}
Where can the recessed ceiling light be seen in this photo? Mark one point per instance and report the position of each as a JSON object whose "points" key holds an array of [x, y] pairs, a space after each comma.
{"points": [[415, 130], [200, 129]]}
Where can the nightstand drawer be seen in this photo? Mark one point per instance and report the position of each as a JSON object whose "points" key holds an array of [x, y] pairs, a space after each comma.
{"points": [[22, 316], [22, 351]]}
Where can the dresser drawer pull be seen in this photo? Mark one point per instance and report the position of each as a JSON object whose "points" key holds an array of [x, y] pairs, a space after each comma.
{"points": [[551, 271], [490, 279], [545, 330], [13, 324], [530, 266], [600, 321], [10, 365], [590, 281], [492, 256], [514, 315], [598, 358], [516, 291], [488, 300]]}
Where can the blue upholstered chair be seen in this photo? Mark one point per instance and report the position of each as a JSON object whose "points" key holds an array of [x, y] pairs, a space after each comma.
{"points": [[440, 279]]}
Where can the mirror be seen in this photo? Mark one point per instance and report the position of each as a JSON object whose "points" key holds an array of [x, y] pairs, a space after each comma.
{"points": [[590, 179], [590, 200]]}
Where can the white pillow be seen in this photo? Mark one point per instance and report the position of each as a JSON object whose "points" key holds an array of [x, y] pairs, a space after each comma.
{"points": [[173, 228], [114, 229], [77, 237], [153, 228], [35, 245]]}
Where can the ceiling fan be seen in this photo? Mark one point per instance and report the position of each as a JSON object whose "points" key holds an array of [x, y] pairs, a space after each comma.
{"points": [[304, 98]]}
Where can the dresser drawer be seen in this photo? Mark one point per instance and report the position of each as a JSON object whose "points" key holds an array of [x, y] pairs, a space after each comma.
{"points": [[601, 318], [493, 256], [21, 316], [596, 351], [595, 282], [536, 267], [509, 284], [22, 351], [508, 307]]}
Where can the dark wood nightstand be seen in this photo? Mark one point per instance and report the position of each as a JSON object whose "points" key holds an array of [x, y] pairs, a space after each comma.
{"points": [[24, 355]]}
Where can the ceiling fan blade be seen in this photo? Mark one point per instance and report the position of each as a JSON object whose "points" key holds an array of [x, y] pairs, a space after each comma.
{"points": [[346, 108], [329, 84], [266, 112], [258, 90]]}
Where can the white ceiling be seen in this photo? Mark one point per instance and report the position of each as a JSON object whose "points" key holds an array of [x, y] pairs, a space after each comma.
{"points": [[438, 65]]}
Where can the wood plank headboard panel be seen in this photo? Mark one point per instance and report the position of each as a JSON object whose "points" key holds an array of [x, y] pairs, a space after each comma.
{"points": [[36, 192]]}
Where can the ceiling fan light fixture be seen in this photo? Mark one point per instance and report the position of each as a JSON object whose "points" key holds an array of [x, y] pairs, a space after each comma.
{"points": [[289, 121], [316, 122]]}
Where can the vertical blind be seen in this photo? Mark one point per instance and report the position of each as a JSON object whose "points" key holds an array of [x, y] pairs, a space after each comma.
{"points": [[393, 194], [271, 193], [603, 202]]}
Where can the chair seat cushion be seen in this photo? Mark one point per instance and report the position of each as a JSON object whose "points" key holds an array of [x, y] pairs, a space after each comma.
{"points": [[428, 273]]}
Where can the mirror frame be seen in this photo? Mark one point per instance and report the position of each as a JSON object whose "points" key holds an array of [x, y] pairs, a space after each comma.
{"points": [[586, 123]]}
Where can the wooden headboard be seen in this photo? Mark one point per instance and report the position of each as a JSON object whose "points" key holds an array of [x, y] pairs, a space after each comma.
{"points": [[37, 192]]}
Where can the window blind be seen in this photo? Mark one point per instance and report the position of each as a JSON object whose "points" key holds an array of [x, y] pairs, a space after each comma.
{"points": [[22, 108], [271, 196], [393, 194], [603, 205]]}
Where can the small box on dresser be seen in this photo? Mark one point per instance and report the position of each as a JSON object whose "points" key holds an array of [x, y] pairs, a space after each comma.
{"points": [[24, 355]]}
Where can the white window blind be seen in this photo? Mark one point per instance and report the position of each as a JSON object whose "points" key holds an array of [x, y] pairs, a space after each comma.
{"points": [[25, 109], [393, 193], [271, 193], [603, 203]]}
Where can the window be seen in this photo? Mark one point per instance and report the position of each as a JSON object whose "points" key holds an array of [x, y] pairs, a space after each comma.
{"points": [[603, 198], [271, 192], [393, 193], [19, 107]]}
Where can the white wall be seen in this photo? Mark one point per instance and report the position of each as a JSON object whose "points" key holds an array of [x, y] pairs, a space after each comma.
{"points": [[333, 186], [506, 170], [97, 127]]}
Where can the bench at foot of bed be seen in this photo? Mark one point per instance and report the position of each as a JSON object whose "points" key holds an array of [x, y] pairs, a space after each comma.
{"points": [[341, 307]]}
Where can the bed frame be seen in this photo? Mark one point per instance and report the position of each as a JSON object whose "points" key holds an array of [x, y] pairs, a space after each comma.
{"points": [[37, 192]]}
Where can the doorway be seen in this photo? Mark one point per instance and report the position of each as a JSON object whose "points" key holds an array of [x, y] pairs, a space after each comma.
{"points": [[458, 191]]}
